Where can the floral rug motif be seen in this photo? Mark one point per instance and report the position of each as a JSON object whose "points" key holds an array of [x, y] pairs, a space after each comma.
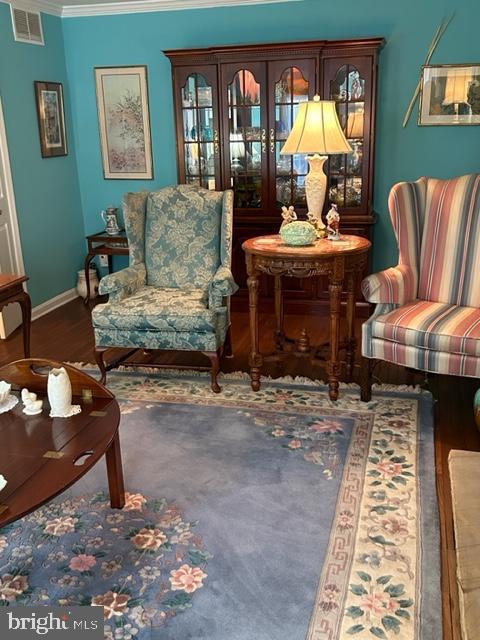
{"points": [[143, 564], [316, 520]]}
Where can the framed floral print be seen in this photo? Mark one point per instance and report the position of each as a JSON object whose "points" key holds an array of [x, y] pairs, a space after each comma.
{"points": [[51, 119], [450, 94], [124, 121]]}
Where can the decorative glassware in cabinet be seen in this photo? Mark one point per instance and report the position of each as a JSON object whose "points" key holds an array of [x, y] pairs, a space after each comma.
{"points": [[198, 131], [290, 171], [345, 172], [245, 139]]}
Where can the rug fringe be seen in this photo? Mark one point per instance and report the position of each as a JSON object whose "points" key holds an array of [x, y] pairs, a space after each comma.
{"points": [[243, 376]]}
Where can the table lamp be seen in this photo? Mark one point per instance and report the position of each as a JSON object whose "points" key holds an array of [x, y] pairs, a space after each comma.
{"points": [[316, 131]]}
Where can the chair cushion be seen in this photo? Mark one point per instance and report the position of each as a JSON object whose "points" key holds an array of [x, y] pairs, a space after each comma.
{"points": [[154, 309], [182, 236], [451, 242], [431, 325]]}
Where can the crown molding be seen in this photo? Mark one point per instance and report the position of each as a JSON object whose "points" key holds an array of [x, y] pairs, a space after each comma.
{"points": [[143, 6], [130, 6]]}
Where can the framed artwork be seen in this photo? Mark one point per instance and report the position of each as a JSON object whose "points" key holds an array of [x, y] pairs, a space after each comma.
{"points": [[51, 119], [450, 94], [122, 101]]}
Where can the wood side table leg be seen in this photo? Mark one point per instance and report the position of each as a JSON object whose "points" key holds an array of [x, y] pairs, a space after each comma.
{"points": [[26, 305], [279, 314], [351, 341], [88, 260], [255, 359], [335, 291], [115, 474]]}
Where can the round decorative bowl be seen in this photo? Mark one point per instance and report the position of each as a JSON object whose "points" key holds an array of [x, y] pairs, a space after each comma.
{"points": [[476, 408], [298, 234]]}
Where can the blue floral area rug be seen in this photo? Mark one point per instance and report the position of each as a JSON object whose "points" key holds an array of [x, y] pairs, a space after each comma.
{"points": [[275, 515]]}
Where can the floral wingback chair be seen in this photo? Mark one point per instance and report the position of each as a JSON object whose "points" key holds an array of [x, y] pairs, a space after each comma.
{"points": [[428, 307], [175, 292]]}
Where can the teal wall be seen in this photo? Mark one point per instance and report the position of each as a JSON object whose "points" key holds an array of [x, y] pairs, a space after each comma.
{"points": [[408, 27], [59, 199], [46, 190]]}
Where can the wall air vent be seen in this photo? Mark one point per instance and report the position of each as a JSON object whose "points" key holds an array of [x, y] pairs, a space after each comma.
{"points": [[27, 26]]}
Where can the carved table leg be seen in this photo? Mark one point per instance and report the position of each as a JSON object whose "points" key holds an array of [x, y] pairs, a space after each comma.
{"points": [[255, 359], [335, 292], [279, 314], [88, 260], [115, 474], [351, 341], [26, 305]]}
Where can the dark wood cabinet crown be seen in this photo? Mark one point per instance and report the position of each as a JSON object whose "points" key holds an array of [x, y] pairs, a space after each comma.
{"points": [[234, 109]]}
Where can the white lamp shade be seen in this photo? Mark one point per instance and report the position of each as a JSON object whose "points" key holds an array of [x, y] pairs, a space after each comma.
{"points": [[317, 130]]}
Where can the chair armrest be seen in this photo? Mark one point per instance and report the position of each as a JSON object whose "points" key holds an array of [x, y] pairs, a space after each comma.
{"points": [[222, 285], [396, 285], [124, 282]]}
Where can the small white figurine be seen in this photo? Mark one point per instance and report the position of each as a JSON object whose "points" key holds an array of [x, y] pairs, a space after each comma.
{"points": [[333, 223], [31, 406], [3, 482], [288, 215]]}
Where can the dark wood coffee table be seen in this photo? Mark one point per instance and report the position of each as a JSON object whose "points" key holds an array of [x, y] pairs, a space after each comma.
{"points": [[38, 453]]}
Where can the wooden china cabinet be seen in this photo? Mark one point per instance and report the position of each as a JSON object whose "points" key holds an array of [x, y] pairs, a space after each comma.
{"points": [[234, 108]]}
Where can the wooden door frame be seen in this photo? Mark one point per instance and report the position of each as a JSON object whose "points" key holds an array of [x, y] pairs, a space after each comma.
{"points": [[10, 193]]}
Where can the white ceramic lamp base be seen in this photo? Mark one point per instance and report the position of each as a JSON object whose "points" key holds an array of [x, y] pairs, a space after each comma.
{"points": [[316, 188]]}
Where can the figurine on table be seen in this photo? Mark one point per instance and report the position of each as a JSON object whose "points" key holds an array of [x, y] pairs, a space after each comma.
{"points": [[288, 215], [333, 223], [317, 222]]}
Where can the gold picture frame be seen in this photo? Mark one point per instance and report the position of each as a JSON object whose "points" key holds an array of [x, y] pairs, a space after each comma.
{"points": [[450, 95]]}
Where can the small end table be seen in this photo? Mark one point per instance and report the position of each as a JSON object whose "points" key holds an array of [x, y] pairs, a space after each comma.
{"points": [[11, 290], [342, 261], [103, 243]]}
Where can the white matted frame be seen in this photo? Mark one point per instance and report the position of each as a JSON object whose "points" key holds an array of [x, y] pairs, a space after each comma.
{"points": [[450, 95], [124, 122]]}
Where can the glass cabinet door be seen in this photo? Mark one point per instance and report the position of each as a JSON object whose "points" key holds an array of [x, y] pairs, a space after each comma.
{"points": [[289, 87], [197, 124], [245, 143], [350, 86]]}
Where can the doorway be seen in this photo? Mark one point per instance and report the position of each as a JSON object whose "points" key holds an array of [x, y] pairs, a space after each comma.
{"points": [[11, 259]]}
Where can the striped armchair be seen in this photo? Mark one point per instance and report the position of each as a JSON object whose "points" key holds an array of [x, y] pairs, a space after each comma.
{"points": [[427, 313]]}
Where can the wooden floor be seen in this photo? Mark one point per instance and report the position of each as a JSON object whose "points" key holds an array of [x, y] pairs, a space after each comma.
{"points": [[66, 335]]}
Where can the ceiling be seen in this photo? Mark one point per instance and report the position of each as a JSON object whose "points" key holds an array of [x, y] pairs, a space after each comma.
{"points": [[75, 8]]}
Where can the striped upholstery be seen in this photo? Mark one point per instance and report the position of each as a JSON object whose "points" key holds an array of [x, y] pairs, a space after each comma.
{"points": [[451, 242], [428, 307], [397, 284]]}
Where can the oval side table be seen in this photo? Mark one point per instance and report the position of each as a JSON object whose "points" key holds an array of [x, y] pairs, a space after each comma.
{"points": [[342, 261]]}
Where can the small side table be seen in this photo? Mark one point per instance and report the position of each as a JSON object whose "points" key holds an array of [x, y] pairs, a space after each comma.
{"points": [[342, 261], [11, 290], [103, 243]]}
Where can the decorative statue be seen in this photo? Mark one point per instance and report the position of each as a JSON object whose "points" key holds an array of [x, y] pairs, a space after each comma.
{"points": [[31, 406], [288, 215], [317, 223], [333, 223]]}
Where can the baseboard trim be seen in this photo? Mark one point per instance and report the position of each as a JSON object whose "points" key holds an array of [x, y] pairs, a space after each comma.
{"points": [[49, 305]]}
